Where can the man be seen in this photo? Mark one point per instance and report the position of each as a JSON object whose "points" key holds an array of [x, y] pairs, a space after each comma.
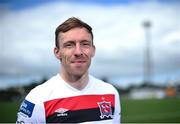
{"points": [[72, 96]]}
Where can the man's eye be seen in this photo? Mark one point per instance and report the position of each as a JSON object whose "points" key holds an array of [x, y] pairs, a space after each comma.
{"points": [[68, 45], [86, 44]]}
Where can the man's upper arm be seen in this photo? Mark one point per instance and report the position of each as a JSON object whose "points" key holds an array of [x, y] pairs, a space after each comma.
{"points": [[30, 112], [117, 114]]}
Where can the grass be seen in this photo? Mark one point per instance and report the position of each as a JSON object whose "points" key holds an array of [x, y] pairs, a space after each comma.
{"points": [[146, 111], [8, 111], [151, 110]]}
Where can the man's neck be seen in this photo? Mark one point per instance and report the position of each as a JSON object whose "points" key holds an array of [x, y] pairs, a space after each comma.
{"points": [[78, 82]]}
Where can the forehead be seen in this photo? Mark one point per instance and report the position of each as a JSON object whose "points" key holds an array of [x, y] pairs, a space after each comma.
{"points": [[75, 34]]}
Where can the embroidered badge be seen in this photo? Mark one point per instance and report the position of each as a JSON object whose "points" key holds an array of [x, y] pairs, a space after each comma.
{"points": [[105, 109]]}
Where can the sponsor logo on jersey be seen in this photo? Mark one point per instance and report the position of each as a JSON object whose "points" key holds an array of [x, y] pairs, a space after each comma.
{"points": [[26, 108], [105, 109], [61, 112]]}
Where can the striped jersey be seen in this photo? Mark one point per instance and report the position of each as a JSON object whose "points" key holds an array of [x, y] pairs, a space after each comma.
{"points": [[55, 101]]}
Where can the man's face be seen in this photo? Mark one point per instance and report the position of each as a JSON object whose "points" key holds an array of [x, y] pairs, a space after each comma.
{"points": [[75, 51]]}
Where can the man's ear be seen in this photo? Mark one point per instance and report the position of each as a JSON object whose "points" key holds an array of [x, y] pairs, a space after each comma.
{"points": [[57, 53], [93, 51]]}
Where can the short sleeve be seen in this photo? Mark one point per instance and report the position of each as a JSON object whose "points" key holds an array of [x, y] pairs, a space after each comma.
{"points": [[30, 112], [117, 114]]}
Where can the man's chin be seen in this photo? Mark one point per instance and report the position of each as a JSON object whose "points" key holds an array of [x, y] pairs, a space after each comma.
{"points": [[78, 73], [78, 70]]}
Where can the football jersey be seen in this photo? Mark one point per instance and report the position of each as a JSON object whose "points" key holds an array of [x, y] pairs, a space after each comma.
{"points": [[55, 101]]}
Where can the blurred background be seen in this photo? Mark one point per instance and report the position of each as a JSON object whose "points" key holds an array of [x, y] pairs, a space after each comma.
{"points": [[138, 51]]}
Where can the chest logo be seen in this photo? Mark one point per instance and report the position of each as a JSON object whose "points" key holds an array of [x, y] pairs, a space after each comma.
{"points": [[105, 109], [61, 112]]}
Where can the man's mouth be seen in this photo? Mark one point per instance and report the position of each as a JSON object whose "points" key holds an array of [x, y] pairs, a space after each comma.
{"points": [[79, 61]]}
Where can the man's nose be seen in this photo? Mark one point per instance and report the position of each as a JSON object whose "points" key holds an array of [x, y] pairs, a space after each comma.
{"points": [[78, 50]]}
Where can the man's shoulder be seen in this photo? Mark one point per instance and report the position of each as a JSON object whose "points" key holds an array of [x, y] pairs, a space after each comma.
{"points": [[41, 91], [102, 84], [99, 81]]}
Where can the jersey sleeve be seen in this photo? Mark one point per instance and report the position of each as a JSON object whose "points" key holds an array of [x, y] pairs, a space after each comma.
{"points": [[117, 113], [30, 112], [31, 109]]}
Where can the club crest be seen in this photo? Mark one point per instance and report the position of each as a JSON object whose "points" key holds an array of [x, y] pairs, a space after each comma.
{"points": [[105, 109]]}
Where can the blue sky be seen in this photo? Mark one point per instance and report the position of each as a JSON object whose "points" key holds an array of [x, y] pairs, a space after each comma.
{"points": [[27, 38]]}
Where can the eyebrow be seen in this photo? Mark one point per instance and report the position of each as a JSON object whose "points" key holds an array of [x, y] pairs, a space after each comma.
{"points": [[71, 41], [86, 41]]}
